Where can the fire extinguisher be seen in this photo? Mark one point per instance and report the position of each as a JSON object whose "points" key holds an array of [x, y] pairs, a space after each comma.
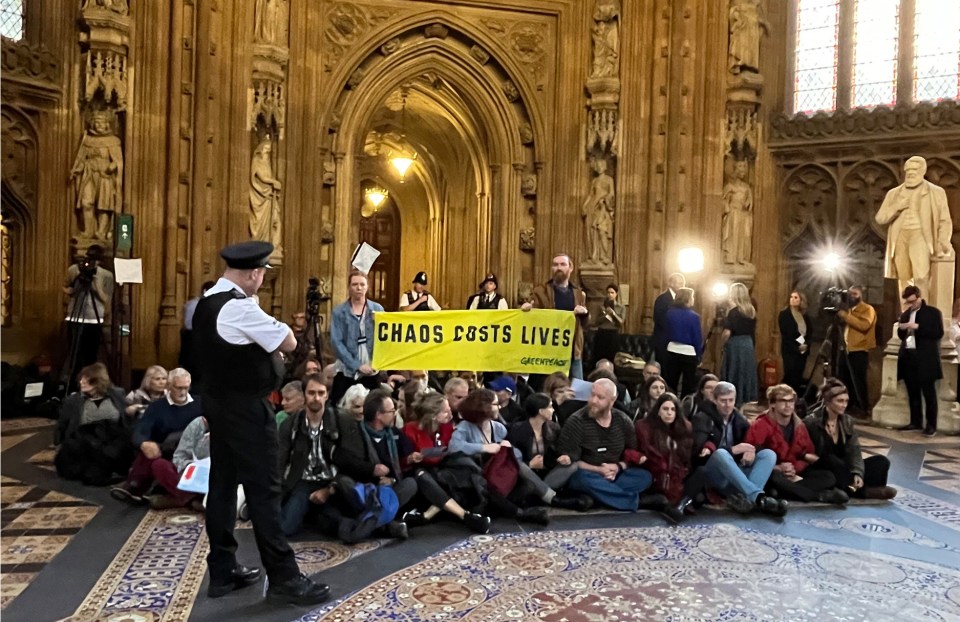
{"points": [[769, 373]]}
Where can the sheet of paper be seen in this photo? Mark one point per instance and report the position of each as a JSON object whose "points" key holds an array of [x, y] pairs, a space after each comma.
{"points": [[363, 257], [581, 389], [128, 270], [801, 340], [33, 389]]}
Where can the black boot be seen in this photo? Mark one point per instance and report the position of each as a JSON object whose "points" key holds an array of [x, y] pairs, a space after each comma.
{"points": [[580, 503], [476, 522], [655, 502], [414, 518], [674, 513], [298, 591], [534, 515]]}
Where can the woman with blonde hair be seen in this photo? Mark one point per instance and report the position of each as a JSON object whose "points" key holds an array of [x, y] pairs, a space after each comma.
{"points": [[151, 389], [794, 340], [739, 359]]}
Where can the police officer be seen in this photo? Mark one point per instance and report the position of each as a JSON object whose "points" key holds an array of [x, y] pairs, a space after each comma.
{"points": [[488, 297], [419, 299], [238, 347]]}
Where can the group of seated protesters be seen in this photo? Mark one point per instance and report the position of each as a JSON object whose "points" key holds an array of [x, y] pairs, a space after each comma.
{"points": [[431, 448]]}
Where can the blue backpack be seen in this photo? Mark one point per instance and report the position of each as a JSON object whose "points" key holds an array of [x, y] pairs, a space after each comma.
{"points": [[373, 501]]}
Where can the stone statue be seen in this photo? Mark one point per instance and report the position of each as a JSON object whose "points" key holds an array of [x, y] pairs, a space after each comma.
{"points": [[528, 185], [746, 23], [117, 6], [606, 39], [329, 177], [264, 196], [271, 22], [598, 210], [920, 226], [98, 176], [737, 226]]}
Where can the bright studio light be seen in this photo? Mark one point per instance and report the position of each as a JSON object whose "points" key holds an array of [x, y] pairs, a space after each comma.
{"points": [[720, 290], [690, 260], [832, 262]]}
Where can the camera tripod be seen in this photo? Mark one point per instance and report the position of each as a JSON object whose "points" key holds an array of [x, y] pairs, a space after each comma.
{"points": [[76, 327], [832, 355]]}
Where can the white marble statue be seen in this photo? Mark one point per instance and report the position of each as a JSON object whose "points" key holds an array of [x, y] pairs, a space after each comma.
{"points": [[598, 211], [737, 226], [264, 196]]}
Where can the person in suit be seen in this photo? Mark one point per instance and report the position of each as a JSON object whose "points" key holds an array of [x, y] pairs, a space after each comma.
{"points": [[918, 363], [661, 334], [795, 328]]}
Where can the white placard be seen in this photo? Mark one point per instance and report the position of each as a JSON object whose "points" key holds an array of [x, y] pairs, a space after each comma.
{"points": [[128, 270], [363, 257], [581, 389], [33, 389]]}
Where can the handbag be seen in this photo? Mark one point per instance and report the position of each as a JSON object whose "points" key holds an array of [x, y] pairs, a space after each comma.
{"points": [[501, 471]]}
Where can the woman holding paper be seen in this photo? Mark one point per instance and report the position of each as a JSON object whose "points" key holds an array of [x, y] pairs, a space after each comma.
{"points": [[351, 335], [794, 333]]}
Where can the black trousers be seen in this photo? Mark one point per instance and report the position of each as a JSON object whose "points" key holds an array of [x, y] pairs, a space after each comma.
{"points": [[605, 345], [677, 365], [793, 367], [807, 489], [875, 470], [854, 376], [243, 450], [918, 388], [87, 339]]}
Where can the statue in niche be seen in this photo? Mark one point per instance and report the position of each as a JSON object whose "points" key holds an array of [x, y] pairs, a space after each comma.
{"points": [[528, 185], [746, 24], [606, 39], [117, 6], [920, 226], [528, 239], [264, 196], [737, 226], [98, 177], [271, 22], [598, 211], [329, 172], [326, 232]]}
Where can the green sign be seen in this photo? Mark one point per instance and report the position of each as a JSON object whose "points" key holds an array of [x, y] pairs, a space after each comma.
{"points": [[124, 234]]}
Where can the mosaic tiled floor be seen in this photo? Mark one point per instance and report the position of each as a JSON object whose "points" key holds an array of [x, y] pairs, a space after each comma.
{"points": [[36, 525], [873, 447], [717, 572], [44, 458], [156, 575], [910, 438], [941, 468], [25, 424], [930, 508], [880, 528]]}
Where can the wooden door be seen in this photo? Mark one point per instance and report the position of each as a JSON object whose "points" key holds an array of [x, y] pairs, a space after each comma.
{"points": [[382, 231]]}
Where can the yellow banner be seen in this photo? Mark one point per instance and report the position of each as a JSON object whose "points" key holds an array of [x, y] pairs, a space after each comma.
{"points": [[538, 341]]}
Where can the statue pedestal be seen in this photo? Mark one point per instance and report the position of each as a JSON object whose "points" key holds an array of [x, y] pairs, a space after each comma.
{"points": [[595, 278], [739, 273]]}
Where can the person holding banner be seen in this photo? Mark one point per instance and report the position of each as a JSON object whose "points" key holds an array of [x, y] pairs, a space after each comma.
{"points": [[559, 293], [419, 299], [351, 333]]}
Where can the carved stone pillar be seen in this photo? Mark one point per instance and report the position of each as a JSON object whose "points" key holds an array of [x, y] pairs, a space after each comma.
{"points": [[598, 267]]}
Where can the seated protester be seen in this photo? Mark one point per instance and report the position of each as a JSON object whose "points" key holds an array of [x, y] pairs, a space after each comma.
{"points": [[479, 435], [733, 467], [155, 437], [429, 436], [194, 445], [93, 434], [505, 388], [623, 394], [386, 446], [309, 366], [557, 385], [596, 438], [651, 368], [352, 401], [781, 430], [312, 485], [620, 404], [408, 394], [836, 447], [151, 389], [650, 391], [455, 390], [691, 403], [291, 400], [537, 438], [665, 440]]}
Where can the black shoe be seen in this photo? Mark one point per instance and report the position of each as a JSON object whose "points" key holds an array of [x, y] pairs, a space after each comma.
{"points": [[240, 577], [930, 432], [299, 590], [657, 503], [414, 518], [580, 503], [771, 506], [833, 495], [534, 515], [908, 428], [740, 504], [128, 494], [397, 529], [476, 522], [673, 513]]}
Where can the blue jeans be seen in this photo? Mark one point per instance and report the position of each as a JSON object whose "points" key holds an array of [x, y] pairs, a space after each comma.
{"points": [[623, 493], [576, 368], [294, 510], [728, 477]]}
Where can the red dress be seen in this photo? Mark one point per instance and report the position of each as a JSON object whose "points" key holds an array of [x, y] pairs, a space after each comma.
{"points": [[422, 439]]}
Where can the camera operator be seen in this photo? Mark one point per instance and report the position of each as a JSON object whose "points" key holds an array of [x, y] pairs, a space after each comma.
{"points": [[89, 287], [860, 338]]}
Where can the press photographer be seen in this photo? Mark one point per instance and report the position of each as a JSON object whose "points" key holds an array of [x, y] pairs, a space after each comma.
{"points": [[89, 288], [860, 337]]}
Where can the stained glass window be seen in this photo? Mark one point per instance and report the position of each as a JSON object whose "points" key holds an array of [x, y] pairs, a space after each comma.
{"points": [[11, 19], [875, 52], [815, 78], [936, 50]]}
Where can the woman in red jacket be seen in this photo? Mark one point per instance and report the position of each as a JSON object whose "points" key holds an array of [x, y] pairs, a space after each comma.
{"points": [[780, 430], [665, 443]]}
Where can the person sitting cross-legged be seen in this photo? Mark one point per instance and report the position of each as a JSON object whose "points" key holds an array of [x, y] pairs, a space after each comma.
{"points": [[156, 436], [596, 438], [780, 429], [733, 467], [291, 400]]}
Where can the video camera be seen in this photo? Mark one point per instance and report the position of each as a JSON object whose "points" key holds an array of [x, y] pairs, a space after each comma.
{"points": [[834, 299], [88, 270], [314, 296]]}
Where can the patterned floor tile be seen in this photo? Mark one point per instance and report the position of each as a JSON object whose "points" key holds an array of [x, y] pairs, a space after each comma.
{"points": [[10, 440], [933, 509], [910, 438], [44, 458], [873, 447], [25, 424], [941, 468], [12, 584]]}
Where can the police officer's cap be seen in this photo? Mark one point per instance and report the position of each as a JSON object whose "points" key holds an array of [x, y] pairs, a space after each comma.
{"points": [[490, 278], [421, 278], [247, 255]]}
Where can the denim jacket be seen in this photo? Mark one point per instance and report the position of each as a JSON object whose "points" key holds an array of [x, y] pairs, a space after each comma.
{"points": [[344, 332]]}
